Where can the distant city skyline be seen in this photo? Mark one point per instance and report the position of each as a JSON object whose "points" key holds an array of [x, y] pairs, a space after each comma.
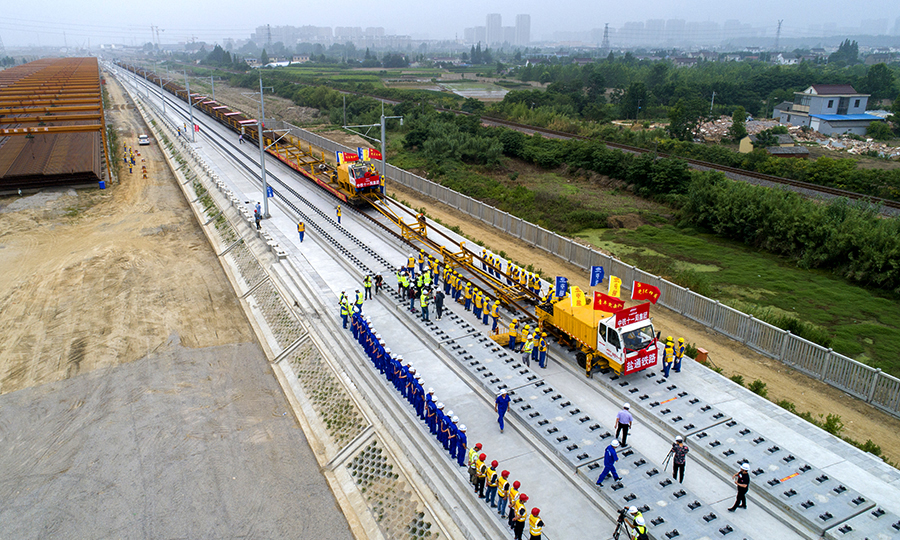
{"points": [[59, 23]]}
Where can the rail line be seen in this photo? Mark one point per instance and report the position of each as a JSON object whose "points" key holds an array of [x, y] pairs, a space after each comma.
{"points": [[836, 192], [558, 423]]}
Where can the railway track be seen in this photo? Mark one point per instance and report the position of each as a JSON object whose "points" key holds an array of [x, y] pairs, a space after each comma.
{"points": [[358, 253], [888, 206]]}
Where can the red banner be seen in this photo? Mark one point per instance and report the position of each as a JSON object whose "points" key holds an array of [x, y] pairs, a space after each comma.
{"points": [[374, 154], [350, 156], [632, 315], [605, 302], [642, 291], [642, 360]]}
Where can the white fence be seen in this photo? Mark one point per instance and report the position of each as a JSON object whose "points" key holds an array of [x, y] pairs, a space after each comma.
{"points": [[855, 378]]}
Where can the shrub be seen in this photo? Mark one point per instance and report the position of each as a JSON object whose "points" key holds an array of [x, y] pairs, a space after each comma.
{"points": [[832, 424], [738, 379], [758, 387]]}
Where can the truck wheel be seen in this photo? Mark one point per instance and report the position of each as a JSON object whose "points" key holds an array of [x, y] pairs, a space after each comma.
{"points": [[581, 358]]}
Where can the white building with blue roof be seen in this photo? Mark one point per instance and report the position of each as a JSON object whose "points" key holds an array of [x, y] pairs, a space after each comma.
{"points": [[828, 109]]}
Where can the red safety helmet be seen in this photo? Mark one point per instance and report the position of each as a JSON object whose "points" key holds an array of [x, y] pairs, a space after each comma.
{"points": [[505, 474], [482, 457], [516, 484], [478, 446], [494, 464], [523, 497], [535, 511]]}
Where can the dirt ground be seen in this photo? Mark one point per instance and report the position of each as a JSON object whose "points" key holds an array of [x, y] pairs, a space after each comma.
{"points": [[861, 421], [94, 278], [276, 107]]}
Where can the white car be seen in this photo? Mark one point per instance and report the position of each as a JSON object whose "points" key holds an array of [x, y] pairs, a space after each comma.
{"points": [[143, 140]]}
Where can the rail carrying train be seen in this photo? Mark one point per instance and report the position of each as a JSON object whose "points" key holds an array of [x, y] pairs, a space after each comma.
{"points": [[352, 179]]}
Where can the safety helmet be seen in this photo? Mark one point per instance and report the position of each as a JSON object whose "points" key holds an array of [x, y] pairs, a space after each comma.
{"points": [[462, 427], [478, 446], [482, 457], [535, 511], [681, 340], [494, 464], [450, 414], [745, 466], [430, 390], [678, 439], [412, 370], [632, 510], [516, 484], [669, 338], [543, 334], [455, 419], [639, 520], [505, 474], [440, 405], [615, 443], [625, 406], [523, 497]]}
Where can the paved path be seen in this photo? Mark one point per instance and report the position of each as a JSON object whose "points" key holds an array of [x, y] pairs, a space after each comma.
{"points": [[184, 443]]}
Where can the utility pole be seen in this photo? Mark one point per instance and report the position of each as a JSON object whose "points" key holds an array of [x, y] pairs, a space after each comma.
{"points": [[212, 81], [262, 150], [187, 85], [778, 34], [712, 101], [383, 136]]}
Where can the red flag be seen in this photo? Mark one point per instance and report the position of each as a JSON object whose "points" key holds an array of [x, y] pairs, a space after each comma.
{"points": [[374, 154], [605, 302], [642, 291], [632, 315]]}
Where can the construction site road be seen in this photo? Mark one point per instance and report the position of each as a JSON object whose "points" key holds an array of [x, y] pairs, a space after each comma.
{"points": [[183, 443], [135, 401]]}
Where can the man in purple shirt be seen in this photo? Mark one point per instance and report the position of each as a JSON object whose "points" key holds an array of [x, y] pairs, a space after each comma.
{"points": [[623, 423]]}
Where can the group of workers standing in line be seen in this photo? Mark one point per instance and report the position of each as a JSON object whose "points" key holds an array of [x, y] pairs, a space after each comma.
{"points": [[443, 425], [489, 483], [494, 487], [493, 265]]}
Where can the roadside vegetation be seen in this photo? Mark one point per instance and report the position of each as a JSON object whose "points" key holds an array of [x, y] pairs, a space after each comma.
{"points": [[827, 272]]}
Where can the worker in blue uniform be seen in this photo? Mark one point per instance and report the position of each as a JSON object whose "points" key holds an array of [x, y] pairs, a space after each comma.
{"points": [[462, 448], [610, 457]]}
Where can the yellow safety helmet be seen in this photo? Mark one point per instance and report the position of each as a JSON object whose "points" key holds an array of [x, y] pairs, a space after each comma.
{"points": [[544, 334], [669, 338], [681, 340]]}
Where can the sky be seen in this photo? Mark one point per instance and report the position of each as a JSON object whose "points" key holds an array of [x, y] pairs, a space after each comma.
{"points": [[74, 22]]}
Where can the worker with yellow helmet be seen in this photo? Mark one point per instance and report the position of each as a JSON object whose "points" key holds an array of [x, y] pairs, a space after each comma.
{"points": [[668, 357], [679, 354]]}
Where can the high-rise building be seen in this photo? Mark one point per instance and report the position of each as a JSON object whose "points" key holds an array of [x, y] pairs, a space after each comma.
{"points": [[494, 26], [523, 30]]}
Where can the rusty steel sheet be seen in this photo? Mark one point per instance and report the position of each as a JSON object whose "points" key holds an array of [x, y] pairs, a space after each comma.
{"points": [[52, 124]]}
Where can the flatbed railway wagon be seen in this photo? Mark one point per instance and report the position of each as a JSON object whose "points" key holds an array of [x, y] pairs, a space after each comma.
{"points": [[350, 179]]}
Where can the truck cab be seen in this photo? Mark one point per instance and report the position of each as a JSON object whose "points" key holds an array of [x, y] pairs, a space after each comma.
{"points": [[358, 177], [629, 348]]}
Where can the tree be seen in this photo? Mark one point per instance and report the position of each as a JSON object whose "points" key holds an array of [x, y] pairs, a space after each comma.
{"points": [[472, 105], [738, 129], [263, 58], [879, 82], [684, 118], [846, 55], [632, 100], [879, 131]]}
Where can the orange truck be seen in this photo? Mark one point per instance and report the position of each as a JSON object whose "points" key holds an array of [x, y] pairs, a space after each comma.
{"points": [[624, 341]]}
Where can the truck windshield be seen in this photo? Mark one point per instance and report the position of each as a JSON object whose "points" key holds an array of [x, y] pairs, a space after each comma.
{"points": [[639, 338]]}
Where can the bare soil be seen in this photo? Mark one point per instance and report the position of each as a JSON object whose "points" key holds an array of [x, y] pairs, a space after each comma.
{"points": [[861, 421], [95, 278], [247, 101]]}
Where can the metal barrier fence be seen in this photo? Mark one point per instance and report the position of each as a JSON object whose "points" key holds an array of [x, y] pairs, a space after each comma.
{"points": [[855, 378]]}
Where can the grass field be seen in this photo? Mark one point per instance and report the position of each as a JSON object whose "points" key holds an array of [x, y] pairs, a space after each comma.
{"points": [[861, 324]]}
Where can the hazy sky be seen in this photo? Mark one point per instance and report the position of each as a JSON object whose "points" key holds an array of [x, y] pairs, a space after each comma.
{"points": [[124, 21]]}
